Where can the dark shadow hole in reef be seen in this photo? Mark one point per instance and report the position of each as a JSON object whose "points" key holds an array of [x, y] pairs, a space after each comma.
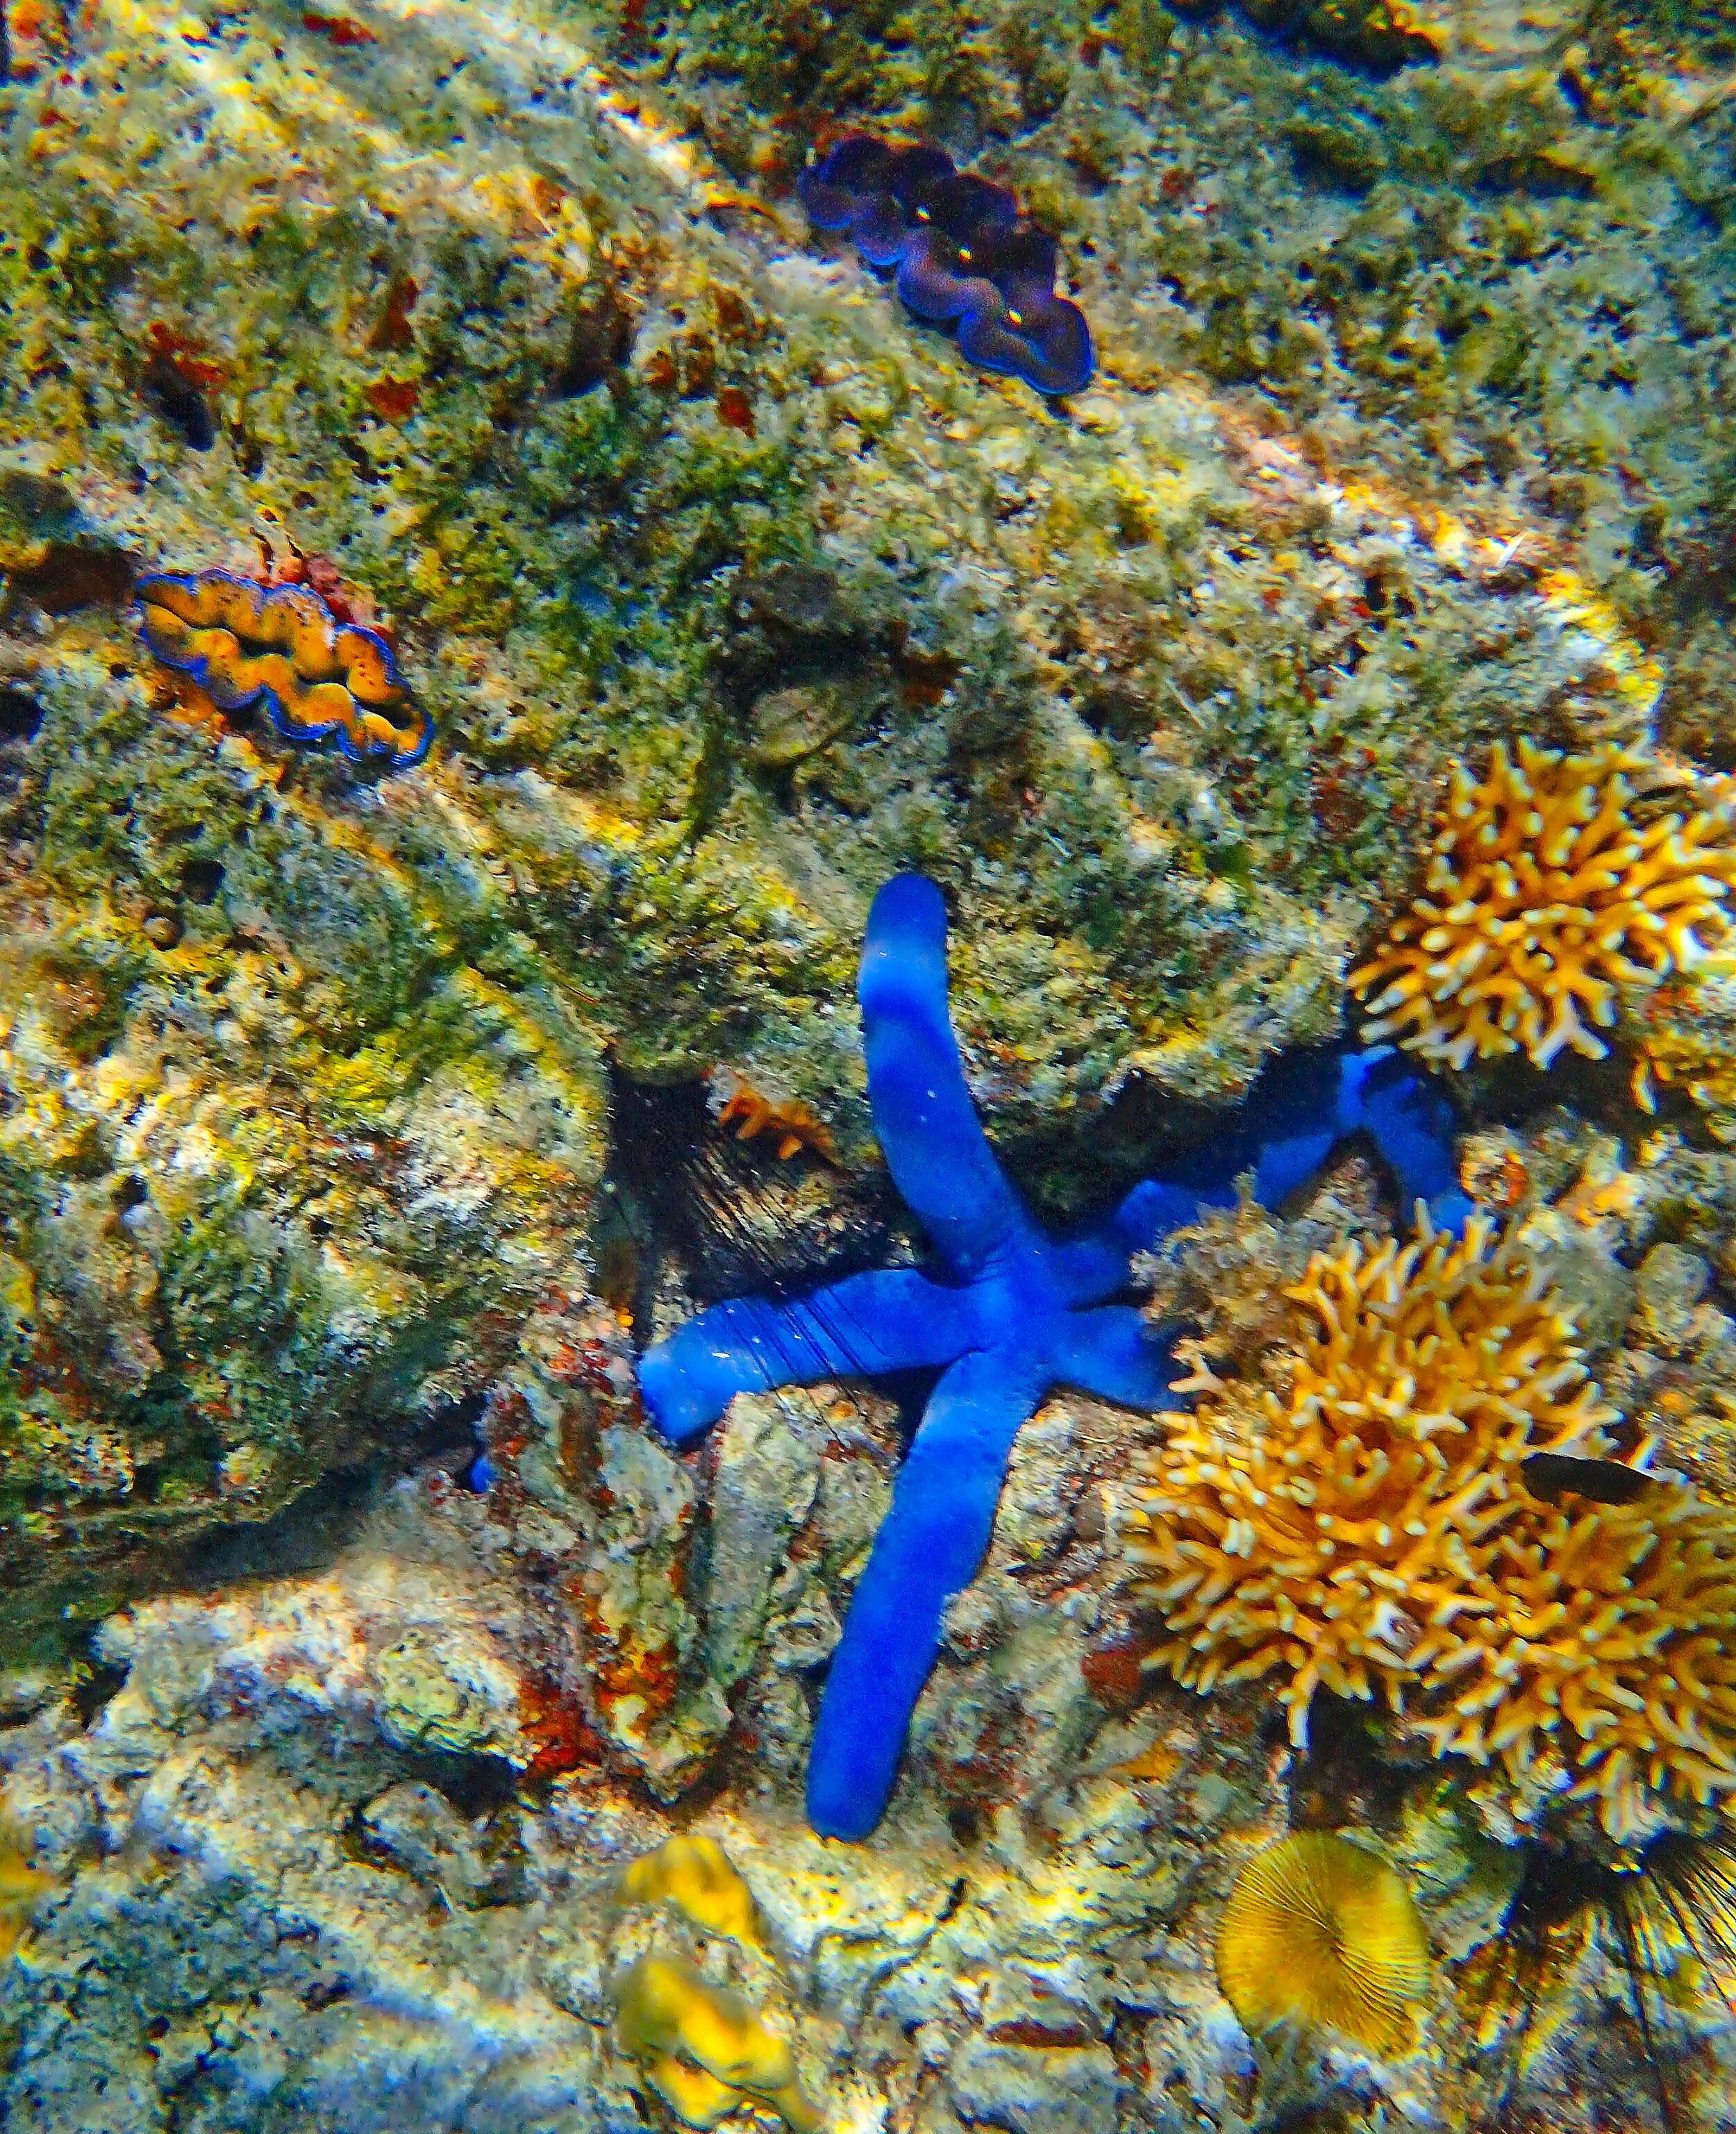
{"points": [[71, 576], [183, 407], [1146, 1131], [312, 1531], [1512, 1093], [738, 1219], [101, 1681], [21, 716], [741, 1220], [201, 880], [1344, 1776]]}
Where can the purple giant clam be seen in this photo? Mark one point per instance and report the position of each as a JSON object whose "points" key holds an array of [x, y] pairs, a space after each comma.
{"points": [[960, 251]]}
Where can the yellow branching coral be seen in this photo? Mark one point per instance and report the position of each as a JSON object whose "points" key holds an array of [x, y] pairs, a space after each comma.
{"points": [[703, 2048], [1544, 897], [1366, 1527], [1319, 1931], [697, 1877]]}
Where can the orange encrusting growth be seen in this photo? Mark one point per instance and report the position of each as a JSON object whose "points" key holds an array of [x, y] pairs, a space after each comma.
{"points": [[737, 1103], [1543, 899], [1368, 1530], [1320, 1932], [240, 641]]}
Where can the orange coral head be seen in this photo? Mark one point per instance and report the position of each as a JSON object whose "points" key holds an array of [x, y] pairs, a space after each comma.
{"points": [[245, 643], [1320, 1932], [1544, 896]]}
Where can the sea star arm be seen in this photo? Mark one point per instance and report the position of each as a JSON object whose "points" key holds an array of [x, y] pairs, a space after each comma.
{"points": [[894, 1320], [1411, 1122], [1093, 1264], [928, 1548], [1304, 1103], [1110, 1352], [934, 1145]]}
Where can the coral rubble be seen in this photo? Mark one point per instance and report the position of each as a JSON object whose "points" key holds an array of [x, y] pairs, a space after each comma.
{"points": [[1545, 897]]}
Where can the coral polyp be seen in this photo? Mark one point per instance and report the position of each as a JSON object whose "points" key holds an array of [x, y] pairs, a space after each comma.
{"points": [[1320, 1932], [1545, 896], [1364, 1525], [961, 253], [791, 1127], [244, 643]]}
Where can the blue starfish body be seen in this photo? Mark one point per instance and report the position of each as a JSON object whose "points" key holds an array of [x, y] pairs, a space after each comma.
{"points": [[1014, 1313]]}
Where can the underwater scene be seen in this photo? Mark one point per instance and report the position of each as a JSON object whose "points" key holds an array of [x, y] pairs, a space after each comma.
{"points": [[867, 1066]]}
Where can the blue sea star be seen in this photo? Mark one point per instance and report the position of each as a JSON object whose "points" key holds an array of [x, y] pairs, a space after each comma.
{"points": [[1016, 1312]]}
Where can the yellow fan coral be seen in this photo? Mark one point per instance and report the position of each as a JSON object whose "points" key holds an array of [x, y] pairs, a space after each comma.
{"points": [[1368, 1528], [703, 2048], [1318, 1930], [1543, 897]]}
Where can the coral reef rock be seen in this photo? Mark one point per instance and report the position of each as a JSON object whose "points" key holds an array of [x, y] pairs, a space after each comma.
{"points": [[359, 1632]]}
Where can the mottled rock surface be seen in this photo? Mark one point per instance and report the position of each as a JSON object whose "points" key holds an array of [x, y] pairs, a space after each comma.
{"points": [[731, 589], [336, 1137]]}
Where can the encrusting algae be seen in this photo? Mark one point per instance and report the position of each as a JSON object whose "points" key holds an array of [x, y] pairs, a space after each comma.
{"points": [[696, 1876], [704, 2050], [1320, 1932], [1544, 898], [1368, 1529]]}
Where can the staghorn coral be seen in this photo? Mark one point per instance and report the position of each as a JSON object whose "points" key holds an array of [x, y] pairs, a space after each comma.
{"points": [[1318, 1930], [1363, 1525], [1545, 896], [703, 2048], [242, 643]]}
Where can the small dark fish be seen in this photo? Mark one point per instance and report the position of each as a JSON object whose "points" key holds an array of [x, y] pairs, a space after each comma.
{"points": [[1551, 1476]]}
